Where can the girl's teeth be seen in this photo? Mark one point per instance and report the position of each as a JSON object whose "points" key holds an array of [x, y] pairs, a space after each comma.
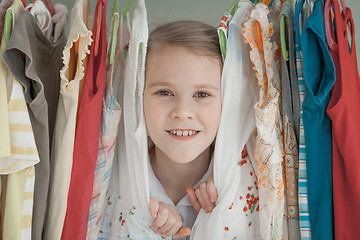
{"points": [[185, 133]]}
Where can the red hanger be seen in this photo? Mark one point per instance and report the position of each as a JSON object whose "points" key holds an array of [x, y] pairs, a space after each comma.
{"points": [[50, 7], [98, 26], [23, 2], [328, 24]]}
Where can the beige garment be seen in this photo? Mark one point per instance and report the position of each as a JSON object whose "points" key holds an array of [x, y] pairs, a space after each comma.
{"points": [[17, 204], [4, 118], [72, 74]]}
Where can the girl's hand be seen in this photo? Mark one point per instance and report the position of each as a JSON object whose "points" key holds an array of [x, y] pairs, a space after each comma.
{"points": [[203, 197], [167, 221]]}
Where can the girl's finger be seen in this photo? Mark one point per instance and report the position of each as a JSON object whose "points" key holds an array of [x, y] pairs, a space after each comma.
{"points": [[173, 230], [170, 223], [154, 207], [183, 232], [207, 205], [199, 197], [161, 219], [211, 189], [193, 199]]}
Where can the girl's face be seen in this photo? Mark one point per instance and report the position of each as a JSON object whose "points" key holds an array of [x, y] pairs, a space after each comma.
{"points": [[182, 101]]}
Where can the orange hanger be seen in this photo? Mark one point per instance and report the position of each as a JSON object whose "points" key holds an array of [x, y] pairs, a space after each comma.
{"points": [[258, 30]]}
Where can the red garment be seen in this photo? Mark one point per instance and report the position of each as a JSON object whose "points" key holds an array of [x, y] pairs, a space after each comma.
{"points": [[344, 112], [87, 136]]}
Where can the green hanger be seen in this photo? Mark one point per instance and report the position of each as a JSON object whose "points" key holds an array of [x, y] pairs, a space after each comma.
{"points": [[114, 31], [127, 8], [222, 35], [284, 51], [8, 25]]}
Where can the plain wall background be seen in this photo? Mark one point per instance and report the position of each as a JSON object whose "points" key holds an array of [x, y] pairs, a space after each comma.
{"points": [[209, 11]]}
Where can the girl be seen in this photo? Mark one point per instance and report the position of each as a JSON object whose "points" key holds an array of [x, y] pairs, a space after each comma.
{"points": [[182, 108]]}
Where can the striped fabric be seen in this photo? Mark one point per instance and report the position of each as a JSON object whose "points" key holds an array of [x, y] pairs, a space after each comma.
{"points": [[21, 180], [23, 148], [28, 201], [304, 214]]}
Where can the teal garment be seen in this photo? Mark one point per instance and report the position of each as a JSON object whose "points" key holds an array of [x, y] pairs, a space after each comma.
{"points": [[319, 73]]}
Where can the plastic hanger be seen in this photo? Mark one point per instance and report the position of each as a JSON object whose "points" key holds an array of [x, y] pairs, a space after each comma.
{"points": [[285, 52], [222, 34], [114, 32], [98, 25], [258, 30], [328, 24], [298, 9], [50, 7], [127, 8], [48, 4], [23, 2], [8, 24]]}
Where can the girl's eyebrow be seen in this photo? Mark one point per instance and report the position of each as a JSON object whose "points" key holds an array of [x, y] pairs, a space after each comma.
{"points": [[201, 86], [162, 84]]}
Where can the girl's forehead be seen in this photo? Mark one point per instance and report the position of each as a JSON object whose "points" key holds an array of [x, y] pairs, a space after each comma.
{"points": [[177, 65]]}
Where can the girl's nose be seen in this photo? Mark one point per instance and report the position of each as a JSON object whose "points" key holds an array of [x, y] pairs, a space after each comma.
{"points": [[182, 109]]}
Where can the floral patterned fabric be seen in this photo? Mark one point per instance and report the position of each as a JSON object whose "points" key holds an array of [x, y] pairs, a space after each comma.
{"points": [[236, 214], [269, 151]]}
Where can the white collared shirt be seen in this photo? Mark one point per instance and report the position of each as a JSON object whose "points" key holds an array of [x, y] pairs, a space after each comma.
{"points": [[184, 206]]}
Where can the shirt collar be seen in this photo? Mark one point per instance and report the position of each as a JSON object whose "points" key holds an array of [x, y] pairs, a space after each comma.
{"points": [[158, 191]]}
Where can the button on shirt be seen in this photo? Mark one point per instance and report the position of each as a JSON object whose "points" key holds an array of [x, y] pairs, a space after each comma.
{"points": [[184, 206]]}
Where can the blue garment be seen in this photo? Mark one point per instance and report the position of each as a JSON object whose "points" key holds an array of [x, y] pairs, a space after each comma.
{"points": [[319, 73], [304, 213]]}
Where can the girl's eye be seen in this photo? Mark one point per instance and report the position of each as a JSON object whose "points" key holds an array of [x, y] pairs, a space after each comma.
{"points": [[201, 94], [164, 93]]}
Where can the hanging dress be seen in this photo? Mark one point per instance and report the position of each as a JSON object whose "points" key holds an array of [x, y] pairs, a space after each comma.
{"points": [[17, 169], [4, 94], [111, 112], [345, 115], [319, 74], [74, 58], [34, 61], [236, 215], [269, 150], [291, 120], [86, 143], [304, 214]]}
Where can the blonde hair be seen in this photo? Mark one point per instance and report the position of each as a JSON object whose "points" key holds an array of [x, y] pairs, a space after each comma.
{"points": [[193, 35]]}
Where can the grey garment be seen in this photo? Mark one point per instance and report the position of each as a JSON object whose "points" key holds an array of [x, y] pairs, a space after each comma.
{"points": [[291, 121], [290, 86], [36, 62], [293, 75]]}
